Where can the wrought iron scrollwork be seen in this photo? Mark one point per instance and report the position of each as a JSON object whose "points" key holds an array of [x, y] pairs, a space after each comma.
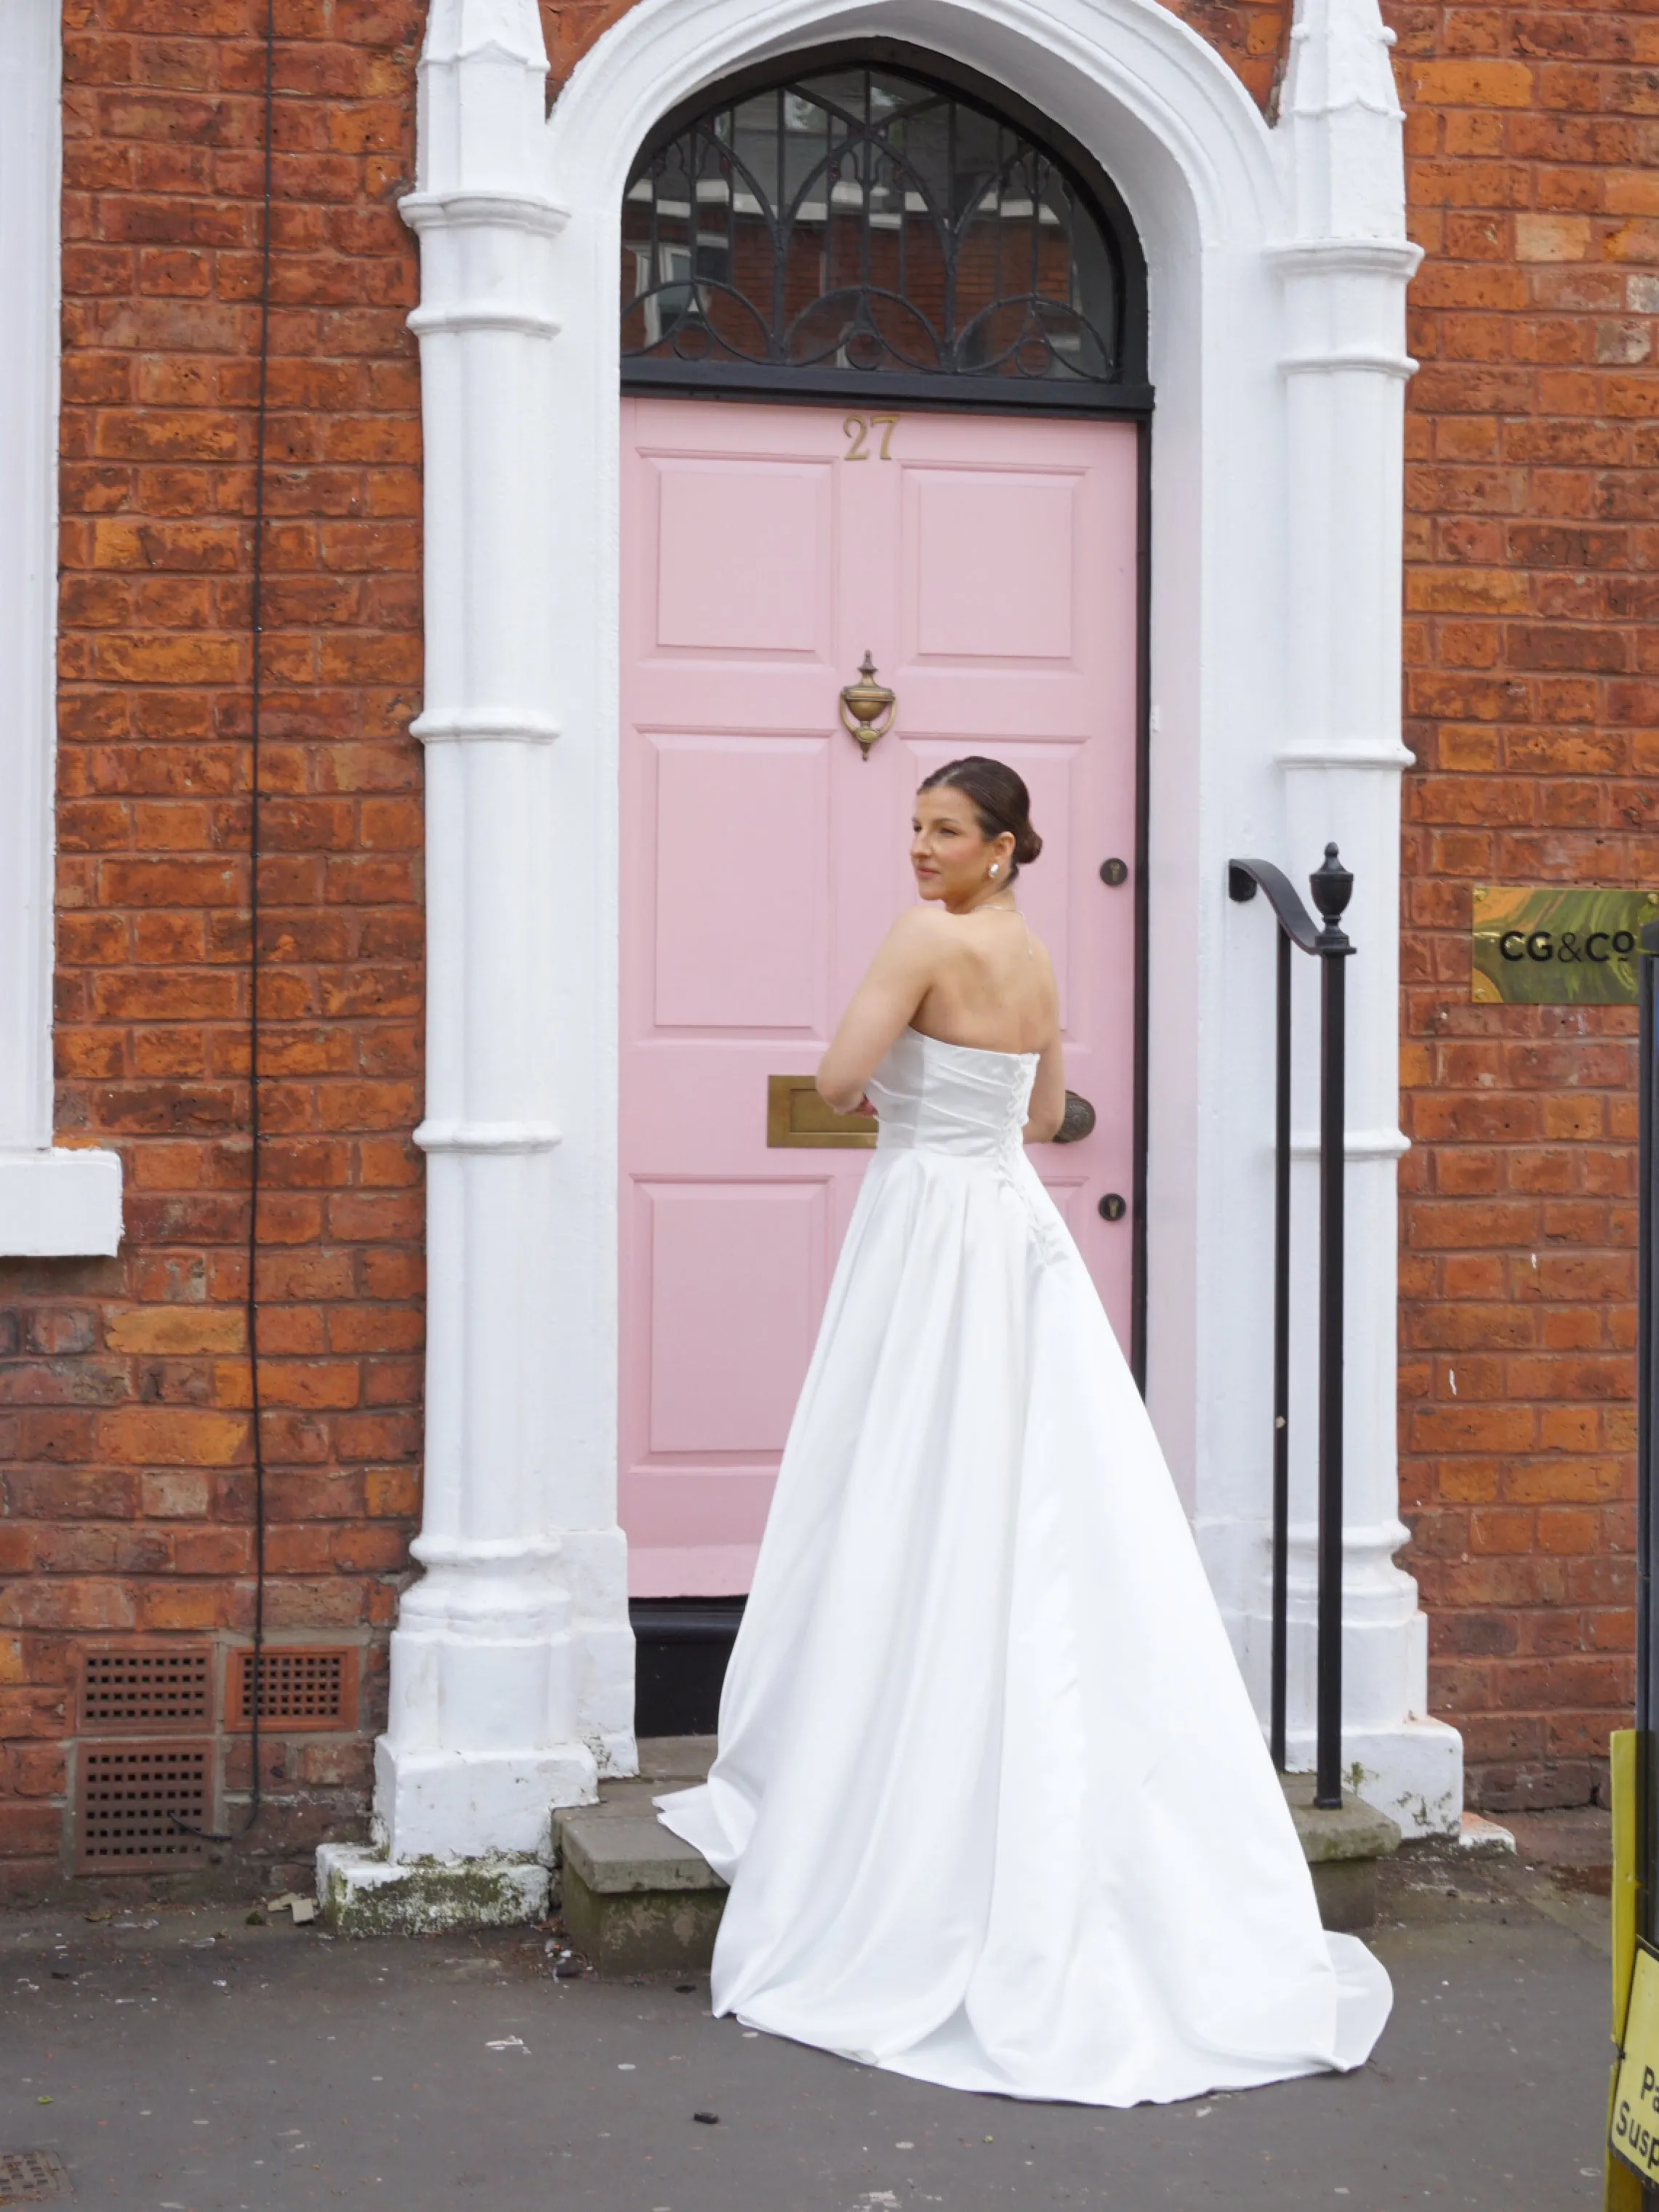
{"points": [[854, 223]]}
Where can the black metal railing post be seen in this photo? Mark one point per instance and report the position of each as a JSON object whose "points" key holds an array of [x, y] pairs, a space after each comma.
{"points": [[1282, 1591], [1331, 885]]}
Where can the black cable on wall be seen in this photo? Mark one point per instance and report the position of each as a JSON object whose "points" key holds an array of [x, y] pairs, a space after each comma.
{"points": [[256, 626]]}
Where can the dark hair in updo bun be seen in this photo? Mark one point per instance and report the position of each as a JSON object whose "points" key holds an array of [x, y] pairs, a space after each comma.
{"points": [[1000, 801]]}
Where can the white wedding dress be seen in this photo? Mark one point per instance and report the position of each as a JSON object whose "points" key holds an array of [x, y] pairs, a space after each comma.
{"points": [[993, 1804]]}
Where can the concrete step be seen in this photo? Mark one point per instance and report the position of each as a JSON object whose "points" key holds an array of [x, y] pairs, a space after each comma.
{"points": [[635, 1899], [1342, 1846]]}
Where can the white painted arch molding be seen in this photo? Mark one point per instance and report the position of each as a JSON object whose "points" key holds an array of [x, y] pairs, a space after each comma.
{"points": [[1277, 264], [1126, 68]]}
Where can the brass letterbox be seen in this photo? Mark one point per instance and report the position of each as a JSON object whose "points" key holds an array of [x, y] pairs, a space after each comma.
{"points": [[796, 1115]]}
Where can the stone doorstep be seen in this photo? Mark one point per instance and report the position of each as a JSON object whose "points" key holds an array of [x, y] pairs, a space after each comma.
{"points": [[1342, 1845], [620, 1848], [636, 1899]]}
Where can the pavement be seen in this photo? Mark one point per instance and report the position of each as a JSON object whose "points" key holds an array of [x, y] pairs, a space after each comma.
{"points": [[181, 2060]]}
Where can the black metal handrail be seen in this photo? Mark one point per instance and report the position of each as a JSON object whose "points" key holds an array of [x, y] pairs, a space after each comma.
{"points": [[1331, 885]]}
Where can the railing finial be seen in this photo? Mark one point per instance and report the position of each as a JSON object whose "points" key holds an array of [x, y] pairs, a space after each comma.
{"points": [[1331, 885]]}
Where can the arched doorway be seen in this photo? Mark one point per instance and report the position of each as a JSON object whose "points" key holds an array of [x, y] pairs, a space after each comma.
{"points": [[883, 346], [1277, 263]]}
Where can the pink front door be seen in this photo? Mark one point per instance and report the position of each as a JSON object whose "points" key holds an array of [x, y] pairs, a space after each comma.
{"points": [[988, 564]]}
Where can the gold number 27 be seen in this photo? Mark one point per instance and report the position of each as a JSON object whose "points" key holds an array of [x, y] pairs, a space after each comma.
{"points": [[858, 428]]}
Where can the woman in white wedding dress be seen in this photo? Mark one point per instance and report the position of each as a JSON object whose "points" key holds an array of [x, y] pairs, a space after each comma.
{"points": [[990, 1794]]}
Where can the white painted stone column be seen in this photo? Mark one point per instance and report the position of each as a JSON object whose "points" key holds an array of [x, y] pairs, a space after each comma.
{"points": [[1345, 272], [511, 1663]]}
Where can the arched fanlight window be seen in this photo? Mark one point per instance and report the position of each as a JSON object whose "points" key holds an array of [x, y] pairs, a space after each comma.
{"points": [[859, 224]]}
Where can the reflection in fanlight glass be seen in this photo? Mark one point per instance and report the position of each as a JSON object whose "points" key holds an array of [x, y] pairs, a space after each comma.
{"points": [[862, 219]]}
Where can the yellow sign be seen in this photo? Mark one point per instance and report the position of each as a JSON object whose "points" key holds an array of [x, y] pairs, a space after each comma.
{"points": [[1634, 2129], [1559, 945]]}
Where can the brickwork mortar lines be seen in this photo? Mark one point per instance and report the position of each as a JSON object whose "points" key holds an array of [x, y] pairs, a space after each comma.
{"points": [[124, 1444], [1532, 693]]}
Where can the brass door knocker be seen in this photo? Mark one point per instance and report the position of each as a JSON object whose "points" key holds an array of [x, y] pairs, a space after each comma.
{"points": [[869, 704]]}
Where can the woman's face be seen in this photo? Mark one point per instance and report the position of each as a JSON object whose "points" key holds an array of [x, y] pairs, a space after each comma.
{"points": [[950, 854]]}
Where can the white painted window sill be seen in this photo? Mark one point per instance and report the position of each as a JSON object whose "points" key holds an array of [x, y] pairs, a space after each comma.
{"points": [[59, 1204]]}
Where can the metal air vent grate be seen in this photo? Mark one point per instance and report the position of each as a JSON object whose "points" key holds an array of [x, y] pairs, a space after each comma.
{"points": [[32, 2177], [304, 1688], [131, 1796], [143, 1687]]}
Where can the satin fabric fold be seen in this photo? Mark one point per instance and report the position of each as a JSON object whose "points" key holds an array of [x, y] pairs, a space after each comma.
{"points": [[990, 1794]]}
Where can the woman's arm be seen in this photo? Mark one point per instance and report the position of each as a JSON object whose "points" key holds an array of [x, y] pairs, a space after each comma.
{"points": [[882, 1005], [1048, 1107]]}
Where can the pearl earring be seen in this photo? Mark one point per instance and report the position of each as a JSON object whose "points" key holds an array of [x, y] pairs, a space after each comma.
{"points": [[994, 867]]}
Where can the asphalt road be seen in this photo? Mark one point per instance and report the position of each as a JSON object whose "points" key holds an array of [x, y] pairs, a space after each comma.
{"points": [[193, 2063]]}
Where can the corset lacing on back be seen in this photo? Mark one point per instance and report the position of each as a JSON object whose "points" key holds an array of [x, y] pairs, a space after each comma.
{"points": [[952, 1098]]}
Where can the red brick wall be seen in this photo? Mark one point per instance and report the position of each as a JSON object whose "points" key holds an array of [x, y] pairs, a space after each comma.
{"points": [[1533, 532], [1533, 702], [124, 1446]]}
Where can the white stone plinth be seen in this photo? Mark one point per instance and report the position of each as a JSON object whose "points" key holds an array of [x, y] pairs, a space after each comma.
{"points": [[363, 1893]]}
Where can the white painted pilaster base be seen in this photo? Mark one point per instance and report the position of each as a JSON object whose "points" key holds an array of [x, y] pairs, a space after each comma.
{"points": [[484, 1725], [596, 1575], [1412, 1771], [451, 1805], [1394, 1754]]}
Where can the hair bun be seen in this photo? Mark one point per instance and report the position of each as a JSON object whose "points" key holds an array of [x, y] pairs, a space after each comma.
{"points": [[1027, 845]]}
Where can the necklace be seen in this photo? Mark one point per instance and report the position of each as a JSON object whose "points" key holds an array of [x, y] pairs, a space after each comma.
{"points": [[990, 906]]}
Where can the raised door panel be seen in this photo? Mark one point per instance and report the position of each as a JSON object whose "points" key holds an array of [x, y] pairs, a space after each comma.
{"points": [[995, 567], [729, 563], [736, 1281], [739, 828], [743, 550]]}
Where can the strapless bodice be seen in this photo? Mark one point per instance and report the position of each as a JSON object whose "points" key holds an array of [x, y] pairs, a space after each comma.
{"points": [[938, 1097]]}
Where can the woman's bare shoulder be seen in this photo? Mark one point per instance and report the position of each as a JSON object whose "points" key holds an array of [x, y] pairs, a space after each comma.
{"points": [[920, 929]]}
